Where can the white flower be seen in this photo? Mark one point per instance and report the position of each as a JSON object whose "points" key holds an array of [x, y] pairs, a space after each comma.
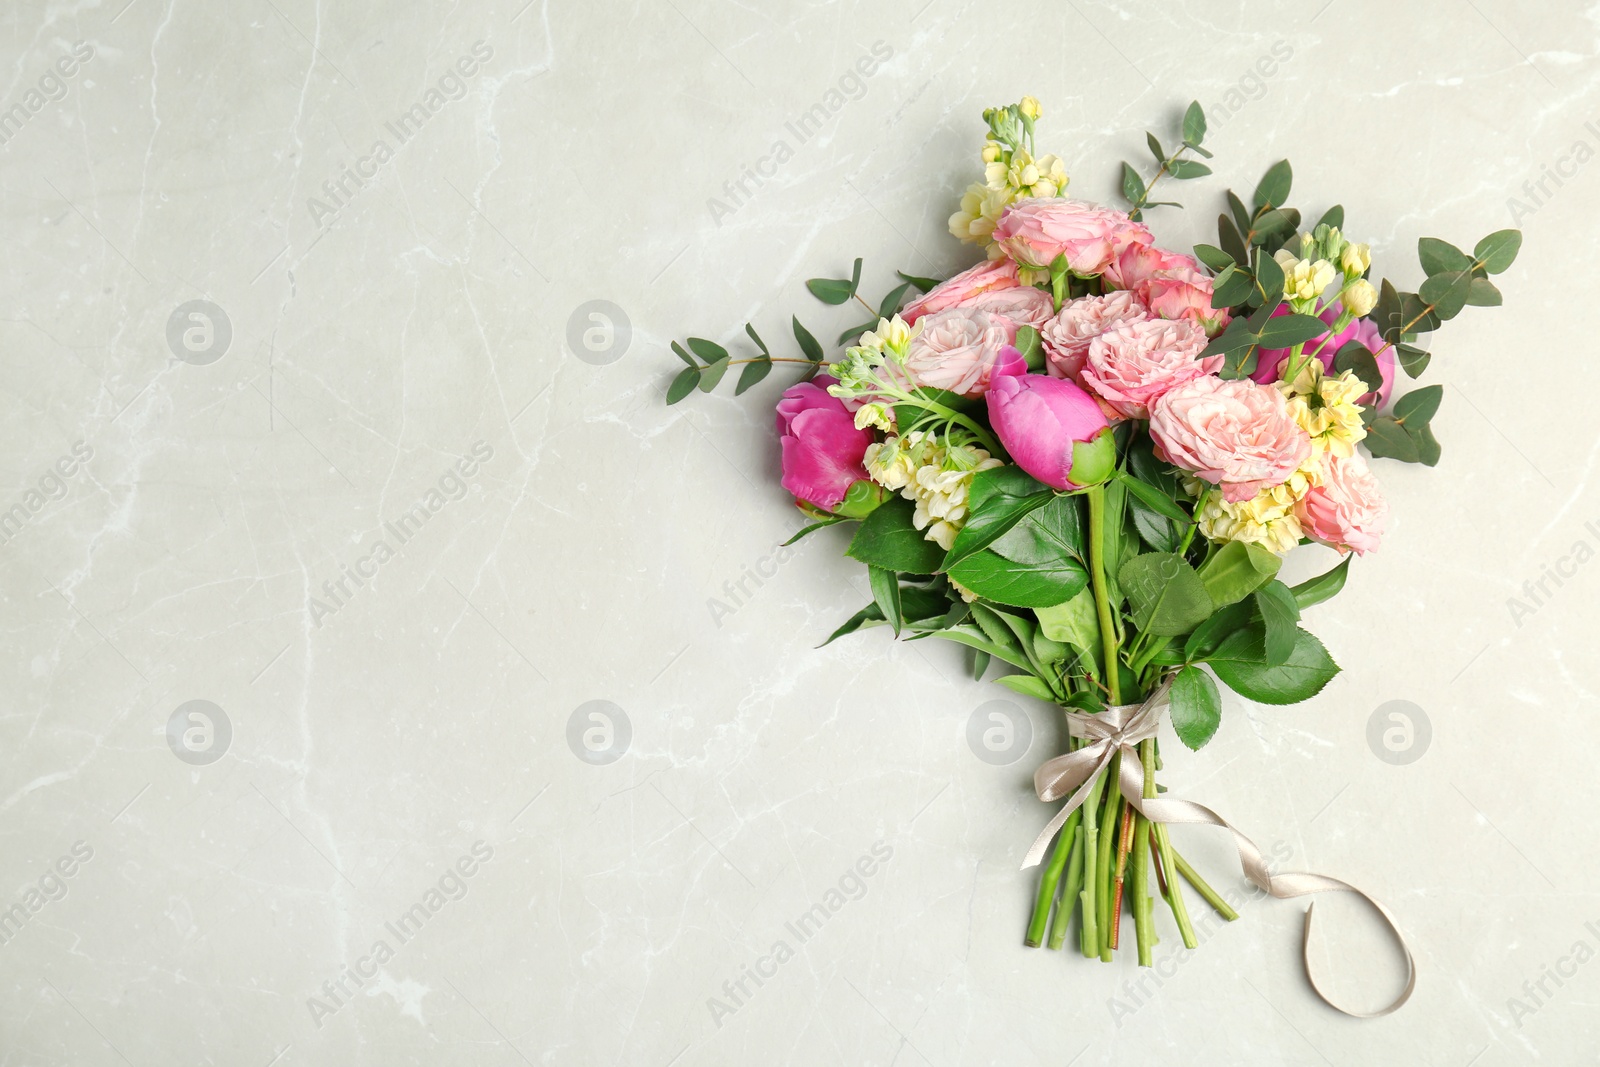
{"points": [[1359, 297], [935, 477]]}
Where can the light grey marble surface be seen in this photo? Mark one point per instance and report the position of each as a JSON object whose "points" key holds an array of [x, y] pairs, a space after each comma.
{"points": [[409, 340]]}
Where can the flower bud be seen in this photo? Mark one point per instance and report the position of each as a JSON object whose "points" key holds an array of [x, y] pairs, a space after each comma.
{"points": [[1355, 259], [1359, 297], [1053, 429], [1030, 108], [861, 500]]}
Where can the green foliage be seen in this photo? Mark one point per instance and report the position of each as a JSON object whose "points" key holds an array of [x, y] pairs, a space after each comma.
{"points": [[1196, 706], [888, 539]]}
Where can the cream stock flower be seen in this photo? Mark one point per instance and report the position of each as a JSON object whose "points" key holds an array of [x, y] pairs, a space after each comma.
{"points": [[931, 475], [980, 209], [1303, 279], [1359, 298], [1355, 259], [1327, 408], [1267, 519]]}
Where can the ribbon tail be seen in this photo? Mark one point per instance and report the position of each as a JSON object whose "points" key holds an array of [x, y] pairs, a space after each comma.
{"points": [[1036, 851], [1170, 811]]}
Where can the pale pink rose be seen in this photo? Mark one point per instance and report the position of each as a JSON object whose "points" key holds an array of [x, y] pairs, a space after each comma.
{"points": [[1344, 508], [1183, 292], [1024, 306], [1036, 230], [1134, 365], [989, 276], [958, 350], [1234, 434], [1066, 337], [1135, 262]]}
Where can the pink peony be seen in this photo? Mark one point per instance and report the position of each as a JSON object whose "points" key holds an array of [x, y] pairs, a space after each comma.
{"points": [[1024, 305], [1183, 292], [958, 349], [990, 276], [1269, 361], [1036, 230], [1066, 338], [1344, 509], [1053, 429], [1132, 366], [1235, 434], [822, 448]]}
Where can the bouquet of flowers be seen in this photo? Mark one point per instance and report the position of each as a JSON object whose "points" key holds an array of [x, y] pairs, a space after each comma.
{"points": [[1085, 458]]}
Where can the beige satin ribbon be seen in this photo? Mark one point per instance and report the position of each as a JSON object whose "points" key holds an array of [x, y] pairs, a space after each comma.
{"points": [[1121, 728]]}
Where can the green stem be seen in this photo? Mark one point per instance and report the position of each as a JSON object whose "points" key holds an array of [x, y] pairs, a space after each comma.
{"points": [[1175, 901], [1143, 922], [1102, 601], [1069, 895], [1111, 828], [1091, 871], [1202, 887], [1050, 880]]}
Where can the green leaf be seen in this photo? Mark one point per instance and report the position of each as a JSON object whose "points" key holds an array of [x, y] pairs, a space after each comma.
{"points": [[808, 344], [886, 594], [1413, 360], [980, 660], [1165, 593], [1044, 534], [709, 351], [1156, 500], [1323, 587], [1498, 250], [1334, 216], [1209, 635], [831, 520], [1483, 294], [1286, 330], [1213, 257], [870, 613], [1241, 217], [683, 384], [888, 539], [1273, 190], [1155, 148], [1447, 292], [923, 285], [1279, 614], [1027, 685], [850, 333], [1183, 169], [1132, 184], [1387, 439], [1231, 238], [1419, 405], [855, 277], [1194, 124], [1239, 663], [1272, 226], [829, 290], [753, 372], [686, 357], [982, 643], [1074, 623], [1439, 257], [712, 374], [1196, 706], [1269, 283], [1427, 445], [1022, 585], [1027, 345], [996, 501], [751, 330], [1236, 570], [1355, 356], [891, 302]]}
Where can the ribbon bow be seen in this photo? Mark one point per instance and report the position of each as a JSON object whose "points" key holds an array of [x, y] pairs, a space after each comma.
{"points": [[1120, 729]]}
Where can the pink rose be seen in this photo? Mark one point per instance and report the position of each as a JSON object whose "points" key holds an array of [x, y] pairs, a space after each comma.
{"points": [[1036, 230], [1183, 292], [1134, 365], [1235, 434], [989, 276], [1024, 305], [1135, 262], [822, 449], [1053, 429], [958, 349], [1269, 361], [1344, 509], [1066, 338]]}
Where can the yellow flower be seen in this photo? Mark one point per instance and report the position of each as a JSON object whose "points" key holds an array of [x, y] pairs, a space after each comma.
{"points": [[980, 210], [1030, 108], [1266, 519], [934, 477], [1359, 297], [1355, 260], [1326, 408], [1303, 279]]}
